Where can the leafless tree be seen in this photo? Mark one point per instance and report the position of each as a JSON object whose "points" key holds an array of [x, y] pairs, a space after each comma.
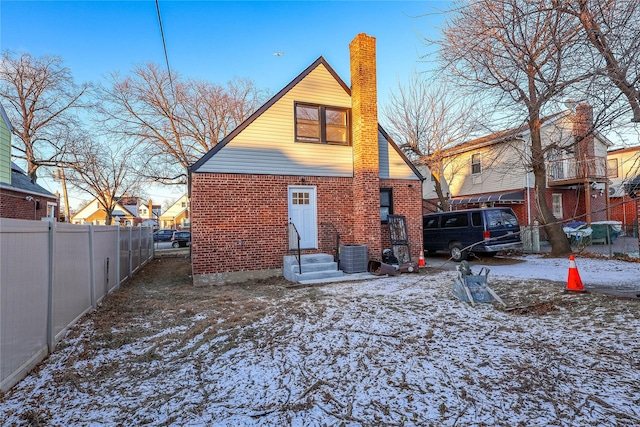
{"points": [[43, 102], [174, 120], [425, 119], [104, 171], [526, 54], [612, 30]]}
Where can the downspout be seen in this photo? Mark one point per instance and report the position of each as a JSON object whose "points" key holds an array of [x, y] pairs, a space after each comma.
{"points": [[528, 200]]}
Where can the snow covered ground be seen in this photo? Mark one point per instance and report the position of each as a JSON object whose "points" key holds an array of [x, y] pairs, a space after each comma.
{"points": [[386, 351]]}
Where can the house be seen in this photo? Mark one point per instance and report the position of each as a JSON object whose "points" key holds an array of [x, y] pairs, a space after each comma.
{"points": [[314, 156], [94, 213], [623, 167], [129, 210], [492, 170], [20, 197], [177, 216]]}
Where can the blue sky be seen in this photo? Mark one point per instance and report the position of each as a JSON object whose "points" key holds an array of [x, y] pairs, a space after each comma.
{"points": [[219, 40]]}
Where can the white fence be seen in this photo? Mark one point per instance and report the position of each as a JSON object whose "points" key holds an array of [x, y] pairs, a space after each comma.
{"points": [[51, 274]]}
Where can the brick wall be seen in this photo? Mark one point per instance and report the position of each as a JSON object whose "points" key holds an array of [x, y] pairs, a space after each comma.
{"points": [[623, 209], [364, 114], [407, 201], [231, 208], [14, 205]]}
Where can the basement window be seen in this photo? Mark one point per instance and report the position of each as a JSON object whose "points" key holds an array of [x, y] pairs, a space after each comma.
{"points": [[322, 124]]}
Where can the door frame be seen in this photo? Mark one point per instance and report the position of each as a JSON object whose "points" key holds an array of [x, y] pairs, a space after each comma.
{"points": [[313, 202]]}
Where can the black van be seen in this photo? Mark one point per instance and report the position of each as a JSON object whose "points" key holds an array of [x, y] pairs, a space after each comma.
{"points": [[483, 231]]}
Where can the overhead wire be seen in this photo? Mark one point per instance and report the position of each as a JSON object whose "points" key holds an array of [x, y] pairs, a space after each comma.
{"points": [[164, 45]]}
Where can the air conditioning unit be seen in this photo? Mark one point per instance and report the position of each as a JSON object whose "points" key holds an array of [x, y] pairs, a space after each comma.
{"points": [[616, 190]]}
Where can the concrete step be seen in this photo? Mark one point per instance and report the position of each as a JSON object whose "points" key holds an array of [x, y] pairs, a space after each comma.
{"points": [[314, 266], [317, 275]]}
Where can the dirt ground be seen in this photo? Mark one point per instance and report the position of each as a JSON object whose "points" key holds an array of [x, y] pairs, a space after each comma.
{"points": [[451, 366]]}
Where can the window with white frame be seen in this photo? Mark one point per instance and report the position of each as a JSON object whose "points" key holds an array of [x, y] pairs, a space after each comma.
{"points": [[476, 164], [612, 168], [51, 209], [557, 205]]}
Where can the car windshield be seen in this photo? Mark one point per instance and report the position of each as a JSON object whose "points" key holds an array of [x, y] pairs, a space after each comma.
{"points": [[496, 219]]}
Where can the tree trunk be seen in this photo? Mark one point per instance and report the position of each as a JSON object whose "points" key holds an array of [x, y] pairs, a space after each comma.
{"points": [[557, 238]]}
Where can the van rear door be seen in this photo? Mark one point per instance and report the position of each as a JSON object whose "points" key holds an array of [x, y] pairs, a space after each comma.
{"points": [[502, 223]]}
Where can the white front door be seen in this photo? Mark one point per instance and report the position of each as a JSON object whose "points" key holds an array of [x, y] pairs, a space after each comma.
{"points": [[303, 213]]}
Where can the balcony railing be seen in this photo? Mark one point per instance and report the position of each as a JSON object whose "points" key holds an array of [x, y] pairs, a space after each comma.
{"points": [[572, 170]]}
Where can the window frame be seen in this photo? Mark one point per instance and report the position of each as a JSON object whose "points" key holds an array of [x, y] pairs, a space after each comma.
{"points": [[476, 164], [556, 205], [389, 206], [612, 172], [322, 123]]}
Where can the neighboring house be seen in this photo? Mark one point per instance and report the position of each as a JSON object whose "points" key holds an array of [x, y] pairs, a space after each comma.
{"points": [[313, 155], [129, 210], [177, 216], [491, 171], [94, 213], [20, 197], [623, 167]]}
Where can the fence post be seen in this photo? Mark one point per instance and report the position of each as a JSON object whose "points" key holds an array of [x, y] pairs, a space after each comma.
{"points": [[140, 247], [130, 252], [118, 256], [50, 326], [92, 280]]}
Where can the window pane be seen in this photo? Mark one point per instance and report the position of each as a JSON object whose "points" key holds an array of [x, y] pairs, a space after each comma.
{"points": [[307, 123], [384, 213], [336, 134], [336, 117], [384, 198], [336, 125]]}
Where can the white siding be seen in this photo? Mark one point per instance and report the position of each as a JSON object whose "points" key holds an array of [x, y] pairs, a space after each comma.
{"points": [[502, 170], [392, 165], [267, 146]]}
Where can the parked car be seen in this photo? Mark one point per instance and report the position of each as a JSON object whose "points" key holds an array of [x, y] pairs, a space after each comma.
{"points": [[181, 239], [163, 235], [489, 230]]}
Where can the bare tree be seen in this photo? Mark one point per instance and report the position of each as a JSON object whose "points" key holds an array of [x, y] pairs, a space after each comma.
{"points": [[612, 29], [104, 171], [174, 120], [43, 100], [426, 119], [523, 52]]}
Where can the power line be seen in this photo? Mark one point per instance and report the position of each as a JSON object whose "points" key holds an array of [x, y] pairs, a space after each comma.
{"points": [[164, 45]]}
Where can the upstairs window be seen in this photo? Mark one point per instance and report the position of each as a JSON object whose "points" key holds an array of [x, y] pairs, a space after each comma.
{"points": [[476, 164], [320, 124], [612, 168]]}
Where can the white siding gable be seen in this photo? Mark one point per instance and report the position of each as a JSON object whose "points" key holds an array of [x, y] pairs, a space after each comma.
{"points": [[267, 145], [392, 165]]}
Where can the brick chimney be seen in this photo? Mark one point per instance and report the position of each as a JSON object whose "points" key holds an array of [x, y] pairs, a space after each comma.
{"points": [[364, 116], [583, 130]]}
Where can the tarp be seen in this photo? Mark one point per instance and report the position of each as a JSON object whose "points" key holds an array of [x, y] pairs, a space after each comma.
{"points": [[511, 197]]}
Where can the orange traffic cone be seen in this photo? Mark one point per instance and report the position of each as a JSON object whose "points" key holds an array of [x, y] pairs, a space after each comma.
{"points": [[574, 283], [421, 260]]}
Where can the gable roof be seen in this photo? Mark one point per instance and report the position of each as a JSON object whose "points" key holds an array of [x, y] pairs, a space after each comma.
{"points": [[22, 183], [320, 61]]}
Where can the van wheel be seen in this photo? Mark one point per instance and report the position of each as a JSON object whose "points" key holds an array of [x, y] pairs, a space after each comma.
{"points": [[457, 254], [175, 245]]}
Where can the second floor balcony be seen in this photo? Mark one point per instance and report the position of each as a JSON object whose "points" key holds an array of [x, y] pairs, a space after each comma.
{"points": [[572, 170]]}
